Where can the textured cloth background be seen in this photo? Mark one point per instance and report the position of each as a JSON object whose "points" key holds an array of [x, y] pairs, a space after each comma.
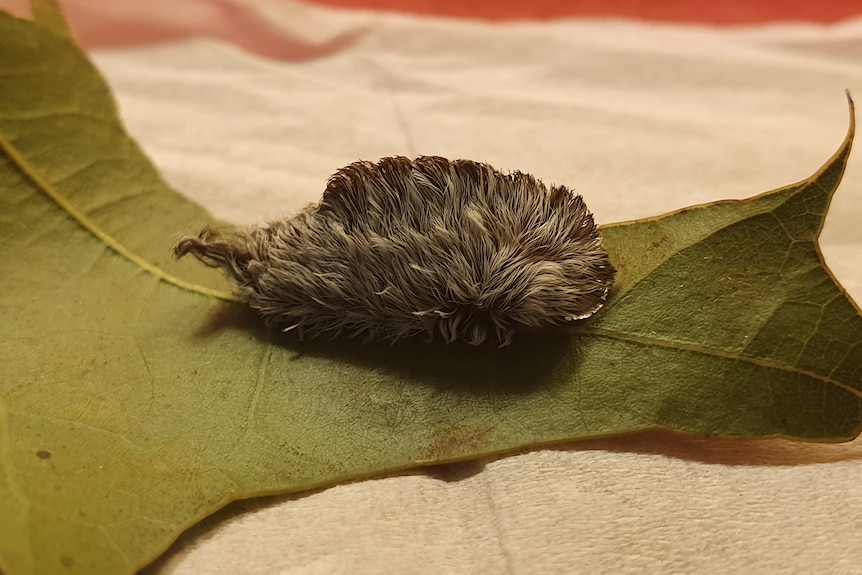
{"points": [[640, 119]]}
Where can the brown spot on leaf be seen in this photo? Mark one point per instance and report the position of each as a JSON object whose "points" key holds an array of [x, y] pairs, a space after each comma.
{"points": [[67, 561], [42, 454], [661, 242]]}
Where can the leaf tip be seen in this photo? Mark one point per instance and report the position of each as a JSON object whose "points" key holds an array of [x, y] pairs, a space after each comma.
{"points": [[49, 13]]}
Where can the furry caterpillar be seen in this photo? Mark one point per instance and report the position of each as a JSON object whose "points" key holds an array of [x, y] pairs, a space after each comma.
{"points": [[449, 249]]}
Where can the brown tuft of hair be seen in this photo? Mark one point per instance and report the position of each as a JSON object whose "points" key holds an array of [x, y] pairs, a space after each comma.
{"points": [[446, 249]]}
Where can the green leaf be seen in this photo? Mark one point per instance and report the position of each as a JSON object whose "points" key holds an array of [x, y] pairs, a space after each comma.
{"points": [[743, 328], [134, 401]]}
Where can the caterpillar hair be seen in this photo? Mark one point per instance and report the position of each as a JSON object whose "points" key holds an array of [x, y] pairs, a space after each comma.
{"points": [[452, 250]]}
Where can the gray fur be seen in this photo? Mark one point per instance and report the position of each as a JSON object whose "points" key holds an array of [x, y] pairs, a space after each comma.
{"points": [[448, 249]]}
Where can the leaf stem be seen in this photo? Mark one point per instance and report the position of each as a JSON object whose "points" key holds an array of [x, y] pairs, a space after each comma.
{"points": [[49, 190]]}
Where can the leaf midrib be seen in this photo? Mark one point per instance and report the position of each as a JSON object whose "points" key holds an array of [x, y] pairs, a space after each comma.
{"points": [[701, 349], [88, 224]]}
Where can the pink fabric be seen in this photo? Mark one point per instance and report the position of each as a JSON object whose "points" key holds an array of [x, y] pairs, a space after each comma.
{"points": [[112, 23], [100, 24]]}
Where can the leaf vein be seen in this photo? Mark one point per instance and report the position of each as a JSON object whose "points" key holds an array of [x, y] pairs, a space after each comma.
{"points": [[85, 222], [685, 346]]}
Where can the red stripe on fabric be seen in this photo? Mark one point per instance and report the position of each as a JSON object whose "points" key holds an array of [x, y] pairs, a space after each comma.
{"points": [[726, 12]]}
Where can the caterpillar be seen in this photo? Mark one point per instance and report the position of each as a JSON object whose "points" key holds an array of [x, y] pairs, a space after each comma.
{"points": [[452, 250]]}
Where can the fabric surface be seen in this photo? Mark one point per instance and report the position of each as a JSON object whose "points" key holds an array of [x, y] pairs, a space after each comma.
{"points": [[640, 119]]}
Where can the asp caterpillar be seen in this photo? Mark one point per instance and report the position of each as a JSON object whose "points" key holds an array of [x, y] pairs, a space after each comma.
{"points": [[446, 249]]}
